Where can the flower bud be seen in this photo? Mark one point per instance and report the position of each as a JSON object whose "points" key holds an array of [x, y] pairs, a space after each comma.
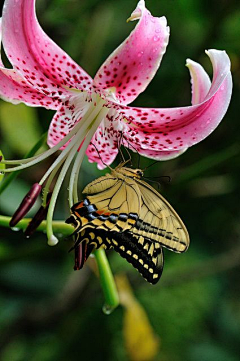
{"points": [[27, 203]]}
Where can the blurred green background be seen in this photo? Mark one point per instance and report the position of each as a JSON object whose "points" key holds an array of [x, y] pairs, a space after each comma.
{"points": [[47, 311]]}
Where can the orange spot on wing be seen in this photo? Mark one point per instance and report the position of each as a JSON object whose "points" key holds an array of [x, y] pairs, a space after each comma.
{"points": [[103, 212], [80, 205]]}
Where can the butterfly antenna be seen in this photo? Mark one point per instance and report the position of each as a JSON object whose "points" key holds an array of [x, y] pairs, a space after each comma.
{"points": [[129, 155], [152, 181], [100, 156], [164, 176], [150, 165], [131, 146], [119, 147]]}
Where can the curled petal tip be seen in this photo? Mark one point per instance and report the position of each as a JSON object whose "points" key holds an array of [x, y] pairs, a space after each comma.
{"points": [[188, 62], [52, 240], [26, 204], [137, 13]]}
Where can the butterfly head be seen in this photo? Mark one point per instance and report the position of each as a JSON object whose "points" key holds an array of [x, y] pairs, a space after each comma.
{"points": [[129, 172]]}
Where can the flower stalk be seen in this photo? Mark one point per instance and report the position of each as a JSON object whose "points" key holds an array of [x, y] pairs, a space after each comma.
{"points": [[107, 282]]}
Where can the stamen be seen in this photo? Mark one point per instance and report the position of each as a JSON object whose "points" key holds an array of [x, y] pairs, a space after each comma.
{"points": [[50, 180], [56, 190], [92, 121], [28, 162], [26, 204], [52, 241], [85, 123], [73, 182]]}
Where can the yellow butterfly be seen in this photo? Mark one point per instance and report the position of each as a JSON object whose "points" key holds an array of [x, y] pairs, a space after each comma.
{"points": [[123, 212]]}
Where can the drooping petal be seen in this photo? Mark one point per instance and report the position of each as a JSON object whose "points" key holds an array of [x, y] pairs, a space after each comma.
{"points": [[15, 89], [40, 61], [170, 129], [130, 68]]}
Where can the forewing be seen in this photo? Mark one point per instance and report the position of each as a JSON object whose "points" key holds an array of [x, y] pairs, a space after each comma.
{"points": [[159, 222], [113, 209]]}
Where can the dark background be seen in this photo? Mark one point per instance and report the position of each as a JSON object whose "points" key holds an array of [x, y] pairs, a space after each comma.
{"points": [[49, 312]]}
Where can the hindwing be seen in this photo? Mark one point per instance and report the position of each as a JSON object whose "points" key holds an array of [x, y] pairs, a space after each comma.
{"points": [[145, 255]]}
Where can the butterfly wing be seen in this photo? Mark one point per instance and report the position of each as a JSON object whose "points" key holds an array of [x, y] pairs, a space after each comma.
{"points": [[141, 253], [111, 204], [159, 222], [132, 217]]}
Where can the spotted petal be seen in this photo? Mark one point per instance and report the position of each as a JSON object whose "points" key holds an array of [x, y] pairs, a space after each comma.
{"points": [[44, 65], [130, 68], [170, 129], [68, 115], [15, 89], [105, 142]]}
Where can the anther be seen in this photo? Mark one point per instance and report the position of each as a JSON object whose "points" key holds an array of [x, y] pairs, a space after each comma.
{"points": [[38, 218], [26, 204]]}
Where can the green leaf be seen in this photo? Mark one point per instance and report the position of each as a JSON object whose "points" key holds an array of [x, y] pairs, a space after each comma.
{"points": [[19, 126]]}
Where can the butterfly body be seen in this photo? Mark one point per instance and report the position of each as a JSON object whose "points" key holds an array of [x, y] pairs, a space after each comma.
{"points": [[123, 212]]}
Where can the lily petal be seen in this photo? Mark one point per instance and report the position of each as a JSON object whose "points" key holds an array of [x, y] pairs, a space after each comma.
{"points": [[159, 155], [131, 67], [106, 141], [43, 64], [68, 115], [200, 81], [60, 125], [15, 89], [178, 128]]}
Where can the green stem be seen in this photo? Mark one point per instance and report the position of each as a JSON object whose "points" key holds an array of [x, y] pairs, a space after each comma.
{"points": [[6, 181], [107, 282], [105, 273], [58, 226]]}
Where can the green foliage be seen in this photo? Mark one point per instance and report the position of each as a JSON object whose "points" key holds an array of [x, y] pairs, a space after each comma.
{"points": [[19, 126]]}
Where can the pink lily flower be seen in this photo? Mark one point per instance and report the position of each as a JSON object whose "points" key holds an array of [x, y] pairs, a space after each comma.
{"points": [[92, 113]]}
